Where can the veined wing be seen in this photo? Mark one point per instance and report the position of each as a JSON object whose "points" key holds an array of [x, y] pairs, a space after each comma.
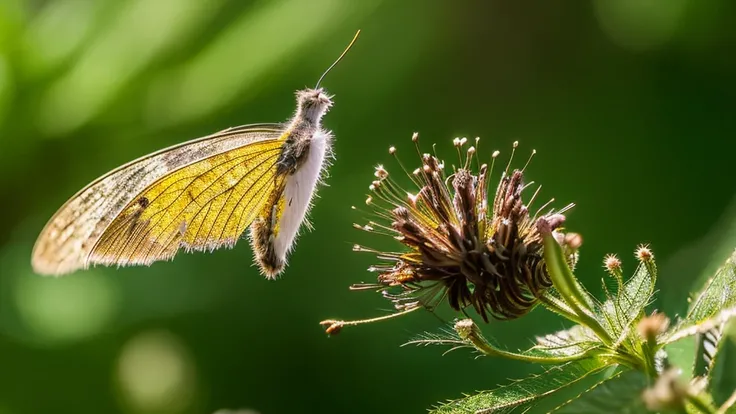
{"points": [[201, 194]]}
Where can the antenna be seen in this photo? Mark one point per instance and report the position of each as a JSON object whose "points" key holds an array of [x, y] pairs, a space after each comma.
{"points": [[338, 59]]}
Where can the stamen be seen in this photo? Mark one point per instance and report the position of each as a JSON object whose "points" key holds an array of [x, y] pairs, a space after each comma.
{"points": [[456, 142], [527, 185], [567, 208], [377, 211], [381, 172], [551, 200], [490, 170], [471, 152], [392, 151], [534, 196], [334, 326], [415, 140], [394, 193], [434, 151], [381, 226], [477, 160], [495, 155], [529, 160], [363, 249], [513, 151]]}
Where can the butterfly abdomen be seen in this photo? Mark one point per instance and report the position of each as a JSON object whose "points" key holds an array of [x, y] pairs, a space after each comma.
{"points": [[274, 233], [265, 255]]}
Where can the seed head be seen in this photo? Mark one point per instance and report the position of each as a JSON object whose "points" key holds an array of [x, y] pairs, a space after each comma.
{"points": [[644, 254], [477, 251], [464, 328], [652, 326], [612, 263]]}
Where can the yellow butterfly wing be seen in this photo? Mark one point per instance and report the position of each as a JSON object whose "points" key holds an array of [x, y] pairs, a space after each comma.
{"points": [[198, 195]]}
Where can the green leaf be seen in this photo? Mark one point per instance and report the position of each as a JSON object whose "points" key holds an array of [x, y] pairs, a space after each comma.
{"points": [[620, 393], [682, 354], [553, 302], [628, 305], [706, 351], [525, 393], [698, 260], [446, 337], [577, 340], [700, 404], [576, 297], [714, 305], [575, 343], [721, 363]]}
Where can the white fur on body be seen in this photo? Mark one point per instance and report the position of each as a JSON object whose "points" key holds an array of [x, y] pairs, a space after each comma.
{"points": [[300, 188]]}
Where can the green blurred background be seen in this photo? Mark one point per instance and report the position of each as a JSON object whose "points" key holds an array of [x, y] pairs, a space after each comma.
{"points": [[630, 105]]}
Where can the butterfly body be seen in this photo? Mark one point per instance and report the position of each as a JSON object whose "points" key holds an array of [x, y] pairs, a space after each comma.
{"points": [[199, 195], [302, 163]]}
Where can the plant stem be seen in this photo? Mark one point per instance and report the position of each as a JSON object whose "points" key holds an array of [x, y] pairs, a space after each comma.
{"points": [[702, 405], [565, 283], [554, 307], [647, 358], [469, 332], [486, 349], [728, 404]]}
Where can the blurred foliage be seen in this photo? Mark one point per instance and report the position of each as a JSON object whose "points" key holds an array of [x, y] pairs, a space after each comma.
{"points": [[628, 103]]}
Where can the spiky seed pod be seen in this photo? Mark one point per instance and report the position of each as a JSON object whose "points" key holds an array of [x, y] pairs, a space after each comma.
{"points": [[459, 247]]}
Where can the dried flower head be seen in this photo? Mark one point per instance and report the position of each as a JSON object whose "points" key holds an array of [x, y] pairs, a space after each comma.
{"points": [[461, 245], [464, 328], [612, 263], [644, 254], [668, 392], [652, 326]]}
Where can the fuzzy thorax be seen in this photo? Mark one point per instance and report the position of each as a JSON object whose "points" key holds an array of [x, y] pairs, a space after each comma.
{"points": [[312, 105]]}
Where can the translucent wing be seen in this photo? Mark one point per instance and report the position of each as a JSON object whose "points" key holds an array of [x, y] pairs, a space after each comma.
{"points": [[198, 195]]}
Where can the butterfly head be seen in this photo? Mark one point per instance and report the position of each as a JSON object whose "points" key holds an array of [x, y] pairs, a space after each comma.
{"points": [[312, 104]]}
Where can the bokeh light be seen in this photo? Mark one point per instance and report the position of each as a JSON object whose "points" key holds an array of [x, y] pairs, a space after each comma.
{"points": [[56, 33], [6, 86], [238, 411], [69, 309], [155, 374], [640, 24], [236, 63], [116, 56]]}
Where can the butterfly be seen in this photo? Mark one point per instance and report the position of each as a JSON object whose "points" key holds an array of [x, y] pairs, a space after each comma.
{"points": [[200, 195]]}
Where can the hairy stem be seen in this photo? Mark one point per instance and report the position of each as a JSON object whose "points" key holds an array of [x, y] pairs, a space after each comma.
{"points": [[565, 283]]}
